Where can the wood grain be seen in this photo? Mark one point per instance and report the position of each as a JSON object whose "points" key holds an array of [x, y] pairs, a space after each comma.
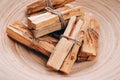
{"points": [[20, 63]]}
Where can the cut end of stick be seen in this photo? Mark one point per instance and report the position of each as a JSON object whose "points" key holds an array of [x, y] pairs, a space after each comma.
{"points": [[52, 66]]}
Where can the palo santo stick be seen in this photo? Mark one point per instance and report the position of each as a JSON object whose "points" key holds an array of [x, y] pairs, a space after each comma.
{"points": [[64, 45], [90, 43], [44, 21], [41, 4], [20, 33], [57, 57], [72, 56], [51, 28]]}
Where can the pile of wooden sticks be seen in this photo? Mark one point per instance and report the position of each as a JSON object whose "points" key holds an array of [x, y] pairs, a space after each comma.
{"points": [[76, 41]]}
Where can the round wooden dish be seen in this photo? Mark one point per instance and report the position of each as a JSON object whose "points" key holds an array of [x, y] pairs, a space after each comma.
{"points": [[20, 63]]}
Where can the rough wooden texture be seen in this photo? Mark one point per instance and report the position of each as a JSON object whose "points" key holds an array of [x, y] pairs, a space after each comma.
{"points": [[64, 45], [90, 43], [39, 5], [62, 48], [44, 21], [20, 33], [48, 29], [72, 56]]}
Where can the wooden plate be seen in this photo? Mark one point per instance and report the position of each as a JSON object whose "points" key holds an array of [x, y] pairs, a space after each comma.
{"points": [[20, 63]]}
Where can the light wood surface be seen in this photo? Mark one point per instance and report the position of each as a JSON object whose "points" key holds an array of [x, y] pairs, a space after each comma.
{"points": [[37, 6], [64, 45], [46, 23], [20, 63]]}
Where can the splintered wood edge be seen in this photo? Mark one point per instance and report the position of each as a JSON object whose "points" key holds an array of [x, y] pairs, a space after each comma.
{"points": [[95, 27]]}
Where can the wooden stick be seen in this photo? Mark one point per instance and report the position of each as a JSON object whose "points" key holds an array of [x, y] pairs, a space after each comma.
{"points": [[64, 45], [51, 28], [44, 21], [39, 5], [90, 43], [72, 56], [21, 33]]}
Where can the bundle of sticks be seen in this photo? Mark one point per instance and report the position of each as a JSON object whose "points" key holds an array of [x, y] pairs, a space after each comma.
{"points": [[77, 41]]}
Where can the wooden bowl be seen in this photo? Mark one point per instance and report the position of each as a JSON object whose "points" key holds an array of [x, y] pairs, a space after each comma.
{"points": [[20, 63]]}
